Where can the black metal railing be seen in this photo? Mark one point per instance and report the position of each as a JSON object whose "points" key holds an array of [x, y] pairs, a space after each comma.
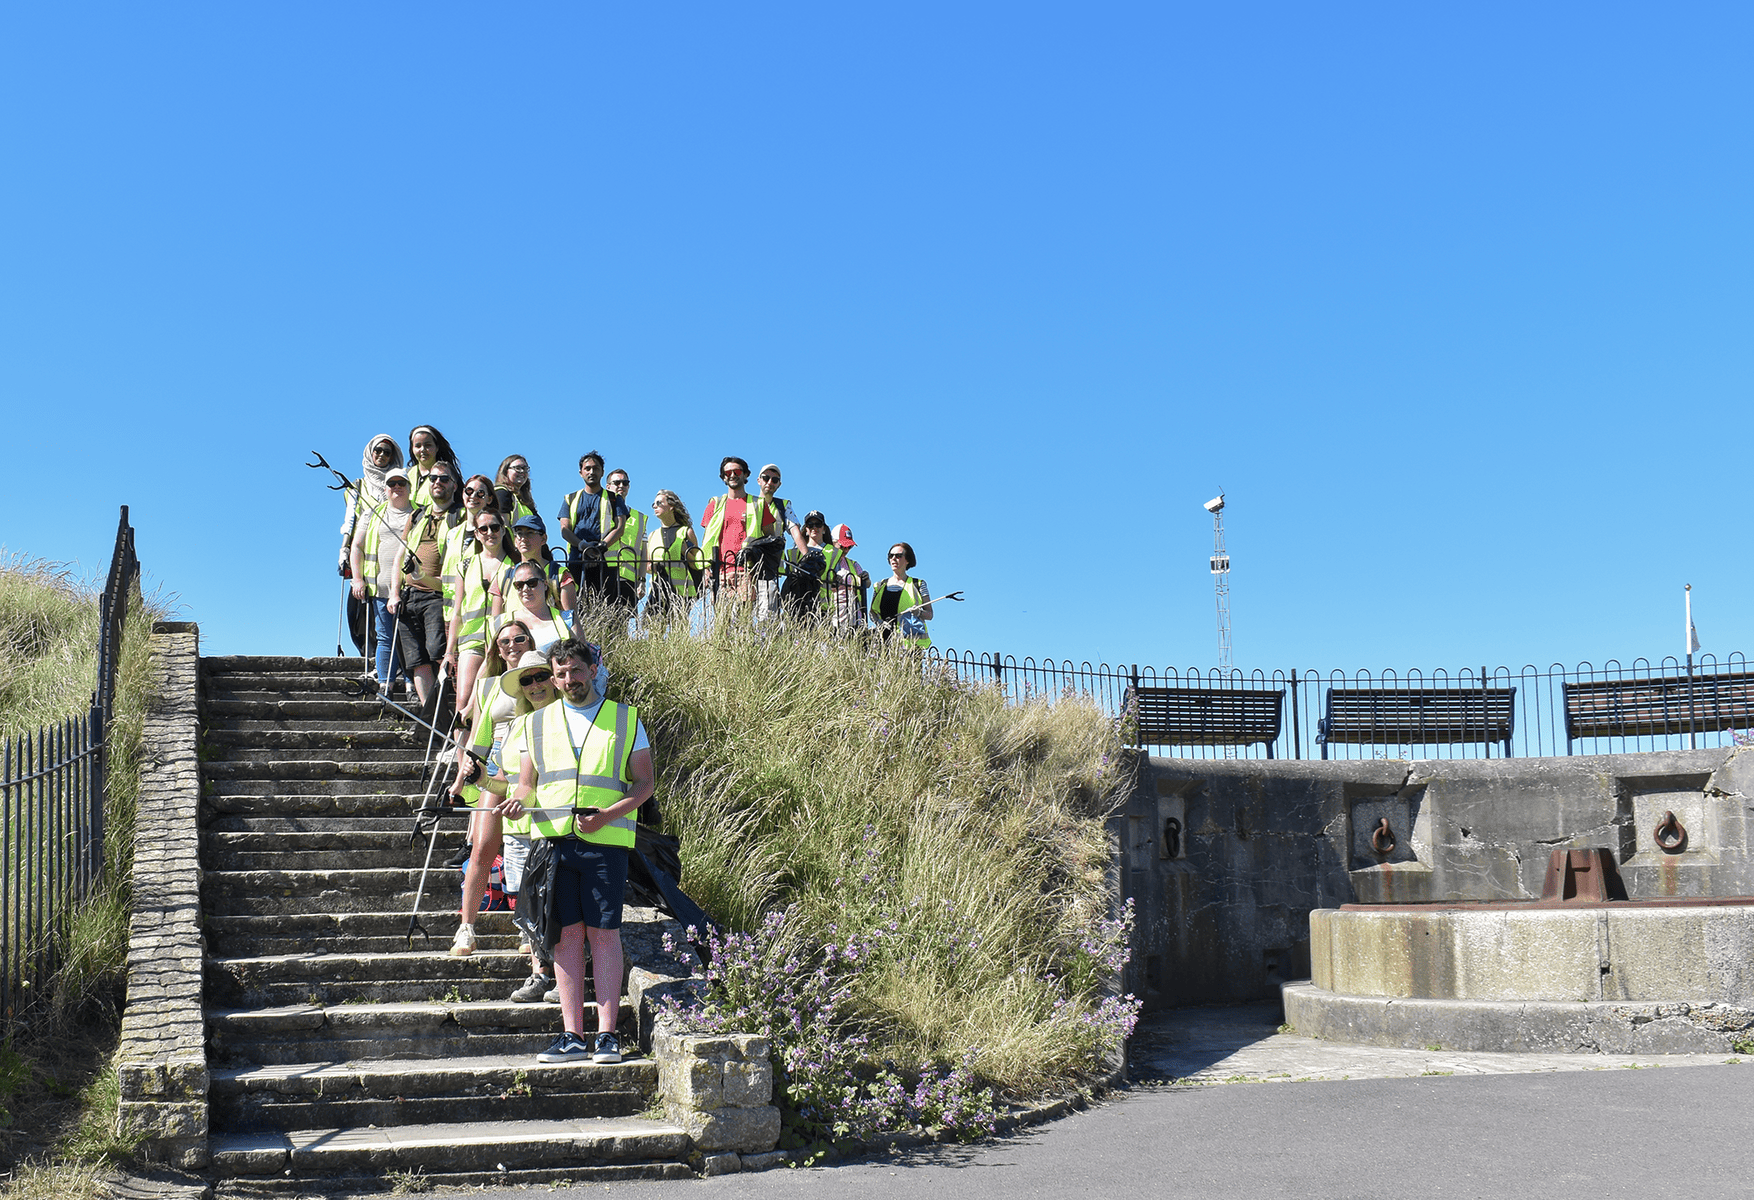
{"points": [[1473, 712], [52, 791]]}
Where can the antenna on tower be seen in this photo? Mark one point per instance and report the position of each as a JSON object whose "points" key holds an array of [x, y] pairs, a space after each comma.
{"points": [[1221, 577]]}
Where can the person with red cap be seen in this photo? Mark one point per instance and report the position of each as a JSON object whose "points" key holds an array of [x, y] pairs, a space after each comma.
{"points": [[845, 584]]}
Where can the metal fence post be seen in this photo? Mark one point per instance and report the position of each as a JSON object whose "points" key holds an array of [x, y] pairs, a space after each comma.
{"points": [[1296, 732]]}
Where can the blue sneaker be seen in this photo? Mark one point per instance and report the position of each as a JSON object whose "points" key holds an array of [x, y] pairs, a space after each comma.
{"points": [[608, 1049], [567, 1048]]}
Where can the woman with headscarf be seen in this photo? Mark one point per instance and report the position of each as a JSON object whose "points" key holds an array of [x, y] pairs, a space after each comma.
{"points": [[427, 448], [901, 605], [367, 492]]}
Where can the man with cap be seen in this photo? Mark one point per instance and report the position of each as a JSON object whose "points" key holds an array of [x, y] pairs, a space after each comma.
{"points": [[770, 521], [373, 553]]}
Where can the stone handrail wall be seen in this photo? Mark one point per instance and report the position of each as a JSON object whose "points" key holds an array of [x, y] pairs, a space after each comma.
{"points": [[162, 1060]]}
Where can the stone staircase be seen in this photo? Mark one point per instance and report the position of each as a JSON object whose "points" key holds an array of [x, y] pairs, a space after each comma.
{"points": [[335, 1049]]}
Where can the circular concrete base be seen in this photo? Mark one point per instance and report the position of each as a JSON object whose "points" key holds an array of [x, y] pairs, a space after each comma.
{"points": [[1573, 1027]]}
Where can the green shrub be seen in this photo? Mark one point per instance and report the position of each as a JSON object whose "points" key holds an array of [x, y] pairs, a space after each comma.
{"points": [[876, 797]]}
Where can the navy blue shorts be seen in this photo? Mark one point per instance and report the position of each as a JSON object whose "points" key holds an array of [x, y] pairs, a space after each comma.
{"points": [[590, 880]]}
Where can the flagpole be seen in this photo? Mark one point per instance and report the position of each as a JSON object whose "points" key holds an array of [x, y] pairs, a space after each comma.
{"points": [[1692, 734]]}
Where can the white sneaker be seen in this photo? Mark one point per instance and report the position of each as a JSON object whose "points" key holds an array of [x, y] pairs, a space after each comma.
{"points": [[464, 943]]}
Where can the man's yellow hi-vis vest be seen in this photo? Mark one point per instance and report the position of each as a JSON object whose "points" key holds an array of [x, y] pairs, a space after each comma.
{"points": [[594, 775]]}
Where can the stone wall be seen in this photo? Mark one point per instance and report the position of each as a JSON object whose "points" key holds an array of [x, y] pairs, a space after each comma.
{"points": [[162, 1060], [1226, 858], [720, 1089]]}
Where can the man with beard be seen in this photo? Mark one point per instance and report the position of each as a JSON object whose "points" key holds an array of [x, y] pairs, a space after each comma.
{"points": [[585, 769]]}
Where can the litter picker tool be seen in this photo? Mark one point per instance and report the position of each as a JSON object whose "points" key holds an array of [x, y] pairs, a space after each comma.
{"points": [[957, 596]]}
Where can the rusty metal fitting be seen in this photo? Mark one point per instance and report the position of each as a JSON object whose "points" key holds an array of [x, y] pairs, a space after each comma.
{"points": [[1670, 834], [1382, 838]]}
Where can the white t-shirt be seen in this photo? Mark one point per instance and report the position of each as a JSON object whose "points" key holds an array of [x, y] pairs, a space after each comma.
{"points": [[579, 720]]}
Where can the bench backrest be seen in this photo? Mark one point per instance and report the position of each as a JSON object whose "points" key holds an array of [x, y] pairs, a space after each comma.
{"points": [[1667, 704], [1197, 716], [1419, 716]]}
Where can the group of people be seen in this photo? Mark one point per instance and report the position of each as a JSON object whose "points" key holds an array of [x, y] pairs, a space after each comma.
{"points": [[441, 560], [455, 573]]}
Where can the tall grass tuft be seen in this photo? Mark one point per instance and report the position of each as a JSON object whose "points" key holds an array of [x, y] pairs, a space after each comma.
{"points": [[48, 644], [48, 671], [959, 837]]}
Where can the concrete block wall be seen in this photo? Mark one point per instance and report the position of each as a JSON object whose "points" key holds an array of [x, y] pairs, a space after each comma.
{"points": [[1225, 859]]}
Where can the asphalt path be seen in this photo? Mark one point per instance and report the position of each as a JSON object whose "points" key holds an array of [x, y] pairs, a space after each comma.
{"points": [[1233, 1106], [1673, 1131]]}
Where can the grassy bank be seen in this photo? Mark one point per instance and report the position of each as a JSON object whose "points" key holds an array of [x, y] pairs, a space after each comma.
{"points": [[56, 1082], [952, 841]]}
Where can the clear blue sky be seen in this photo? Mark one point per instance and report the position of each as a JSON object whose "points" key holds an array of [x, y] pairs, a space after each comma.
{"points": [[1454, 301]]}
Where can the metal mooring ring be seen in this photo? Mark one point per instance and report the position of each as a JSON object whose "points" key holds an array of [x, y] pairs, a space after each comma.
{"points": [[1380, 835], [1172, 838], [1670, 834]]}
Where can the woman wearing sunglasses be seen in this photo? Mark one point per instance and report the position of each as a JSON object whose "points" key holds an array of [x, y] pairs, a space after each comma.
{"points": [[479, 561], [530, 537], [532, 601], [520, 690], [901, 605]]}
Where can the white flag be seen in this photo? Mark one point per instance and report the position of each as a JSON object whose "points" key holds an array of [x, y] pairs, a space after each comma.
{"points": [[1692, 633]]}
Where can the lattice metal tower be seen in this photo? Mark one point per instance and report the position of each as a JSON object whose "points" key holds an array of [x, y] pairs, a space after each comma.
{"points": [[1221, 577]]}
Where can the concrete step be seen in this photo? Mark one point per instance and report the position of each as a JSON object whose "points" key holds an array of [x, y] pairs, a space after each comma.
{"points": [[567, 1148], [375, 770], [456, 1087], [423, 975], [224, 683], [325, 852], [313, 801], [351, 741], [379, 1031], [266, 893], [281, 709], [352, 933], [277, 826], [225, 664]]}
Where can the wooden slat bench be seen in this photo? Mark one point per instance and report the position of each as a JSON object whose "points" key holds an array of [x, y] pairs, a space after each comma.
{"points": [[1657, 706], [1200, 716], [1418, 717]]}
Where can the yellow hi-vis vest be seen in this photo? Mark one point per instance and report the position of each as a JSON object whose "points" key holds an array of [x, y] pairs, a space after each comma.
{"points": [[595, 775], [368, 559], [715, 526], [671, 561], [627, 550], [472, 597], [910, 596], [605, 513]]}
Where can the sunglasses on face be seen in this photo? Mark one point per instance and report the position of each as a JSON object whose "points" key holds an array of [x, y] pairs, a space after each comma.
{"points": [[517, 639], [770, 478], [376, 450], [520, 584], [396, 483], [471, 491], [535, 677], [495, 527]]}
